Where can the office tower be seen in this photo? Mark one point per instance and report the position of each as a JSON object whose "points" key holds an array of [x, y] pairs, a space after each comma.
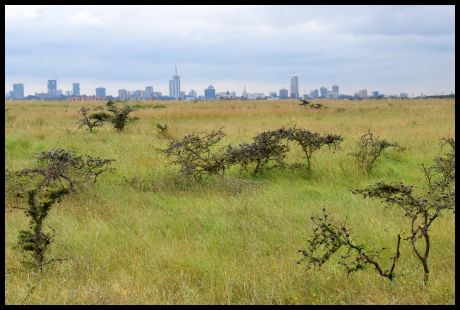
{"points": [[314, 93], [294, 87], [192, 94], [210, 93], [323, 92], [283, 93], [75, 89], [18, 91], [405, 96], [174, 86], [52, 88], [273, 94], [335, 91], [149, 91], [375, 93], [123, 94], [100, 92], [68, 93], [244, 95], [362, 93]]}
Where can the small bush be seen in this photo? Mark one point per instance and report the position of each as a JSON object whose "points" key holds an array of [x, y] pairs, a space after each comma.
{"points": [[35, 241], [120, 116], [370, 148], [163, 130]]}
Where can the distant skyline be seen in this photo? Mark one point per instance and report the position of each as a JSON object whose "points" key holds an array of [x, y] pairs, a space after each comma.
{"points": [[391, 49]]}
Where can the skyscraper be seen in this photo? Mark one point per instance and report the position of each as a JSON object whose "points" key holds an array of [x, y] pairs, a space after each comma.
{"points": [[210, 93], [52, 88], [174, 86], [294, 87], [123, 94], [18, 91], [323, 92], [100, 92], [335, 91], [149, 91], [76, 89]]}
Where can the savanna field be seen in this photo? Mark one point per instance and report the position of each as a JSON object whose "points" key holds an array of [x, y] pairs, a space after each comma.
{"points": [[140, 235]]}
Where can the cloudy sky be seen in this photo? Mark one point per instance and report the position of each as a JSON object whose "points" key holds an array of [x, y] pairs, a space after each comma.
{"points": [[392, 49]]}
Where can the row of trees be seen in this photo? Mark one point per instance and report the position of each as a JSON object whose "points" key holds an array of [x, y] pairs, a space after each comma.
{"points": [[197, 154]]}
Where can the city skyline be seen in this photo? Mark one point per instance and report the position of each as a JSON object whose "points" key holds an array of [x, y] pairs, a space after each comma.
{"points": [[389, 48]]}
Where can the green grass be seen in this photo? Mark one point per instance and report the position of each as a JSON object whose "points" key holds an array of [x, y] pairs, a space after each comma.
{"points": [[143, 236]]}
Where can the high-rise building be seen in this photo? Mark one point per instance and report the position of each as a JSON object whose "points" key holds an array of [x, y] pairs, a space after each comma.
{"points": [[284, 93], [174, 86], [100, 92], [273, 94], [375, 93], [314, 93], [18, 91], [294, 87], [52, 89], [362, 93], [76, 89], [210, 93], [123, 94], [323, 92], [149, 91], [244, 95], [335, 91], [68, 93], [403, 95], [192, 94]]}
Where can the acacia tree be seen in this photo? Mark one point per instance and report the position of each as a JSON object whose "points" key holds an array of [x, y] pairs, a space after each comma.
{"points": [[370, 148], [310, 141], [195, 154], [120, 116], [330, 238], [267, 146], [57, 173], [92, 120], [422, 210]]}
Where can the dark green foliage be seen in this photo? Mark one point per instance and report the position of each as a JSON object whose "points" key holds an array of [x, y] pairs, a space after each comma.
{"points": [[369, 149], [120, 115], [424, 208], [195, 155], [35, 241], [61, 167], [92, 120], [267, 146], [330, 238]]}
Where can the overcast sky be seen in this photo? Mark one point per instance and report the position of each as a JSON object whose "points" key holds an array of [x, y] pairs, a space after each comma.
{"points": [[392, 49]]}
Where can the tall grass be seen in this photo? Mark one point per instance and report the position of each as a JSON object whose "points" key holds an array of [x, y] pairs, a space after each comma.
{"points": [[142, 235]]}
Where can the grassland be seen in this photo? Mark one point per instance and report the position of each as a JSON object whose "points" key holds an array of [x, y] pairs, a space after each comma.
{"points": [[141, 237]]}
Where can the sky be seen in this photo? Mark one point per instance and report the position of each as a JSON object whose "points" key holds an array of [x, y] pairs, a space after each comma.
{"points": [[391, 49]]}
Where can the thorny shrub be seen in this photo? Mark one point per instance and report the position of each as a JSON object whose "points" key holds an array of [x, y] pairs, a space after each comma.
{"points": [[92, 120], [195, 155], [370, 148]]}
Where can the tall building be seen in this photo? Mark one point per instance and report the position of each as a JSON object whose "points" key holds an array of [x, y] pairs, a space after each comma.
{"points": [[335, 91], [314, 93], [149, 91], [52, 88], [244, 95], [210, 93], [18, 91], [76, 89], [123, 94], [283, 93], [100, 92], [375, 93], [174, 86], [323, 92], [362, 93], [294, 87], [68, 93]]}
